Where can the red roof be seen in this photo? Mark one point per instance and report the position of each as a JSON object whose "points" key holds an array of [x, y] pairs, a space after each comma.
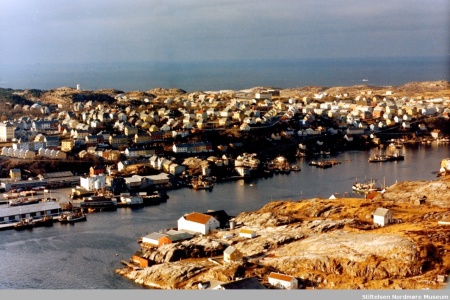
{"points": [[281, 276], [197, 218]]}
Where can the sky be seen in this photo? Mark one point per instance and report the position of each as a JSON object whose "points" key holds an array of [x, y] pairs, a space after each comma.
{"points": [[85, 31]]}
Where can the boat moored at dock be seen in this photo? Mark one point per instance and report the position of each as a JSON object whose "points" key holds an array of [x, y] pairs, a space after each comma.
{"points": [[26, 223], [44, 221], [98, 203], [72, 217]]}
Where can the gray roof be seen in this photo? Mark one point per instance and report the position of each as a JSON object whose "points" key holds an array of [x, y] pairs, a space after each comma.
{"points": [[58, 174], [250, 283], [27, 209], [381, 212], [155, 236], [230, 249], [175, 235]]}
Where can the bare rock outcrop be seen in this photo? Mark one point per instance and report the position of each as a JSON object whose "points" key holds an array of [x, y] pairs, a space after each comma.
{"points": [[324, 243]]}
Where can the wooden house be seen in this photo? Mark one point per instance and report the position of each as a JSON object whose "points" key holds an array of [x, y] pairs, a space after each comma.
{"points": [[155, 239], [382, 216], [197, 222], [283, 281], [231, 254], [247, 233]]}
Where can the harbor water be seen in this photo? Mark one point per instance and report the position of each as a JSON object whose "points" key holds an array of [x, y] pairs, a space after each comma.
{"points": [[84, 255]]}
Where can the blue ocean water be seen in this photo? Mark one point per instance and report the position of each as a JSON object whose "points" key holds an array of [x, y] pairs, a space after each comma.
{"points": [[218, 75]]}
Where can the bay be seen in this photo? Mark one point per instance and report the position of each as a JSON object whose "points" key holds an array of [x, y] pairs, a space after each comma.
{"points": [[84, 255]]}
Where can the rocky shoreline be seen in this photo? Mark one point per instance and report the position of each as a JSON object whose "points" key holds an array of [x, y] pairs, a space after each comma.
{"points": [[324, 243]]}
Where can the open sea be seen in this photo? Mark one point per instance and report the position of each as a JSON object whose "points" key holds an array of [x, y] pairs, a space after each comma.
{"points": [[222, 75]]}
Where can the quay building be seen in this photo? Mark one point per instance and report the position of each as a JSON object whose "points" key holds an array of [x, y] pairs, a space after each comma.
{"points": [[12, 214]]}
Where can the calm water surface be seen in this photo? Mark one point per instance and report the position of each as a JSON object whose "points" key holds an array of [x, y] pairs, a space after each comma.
{"points": [[85, 255]]}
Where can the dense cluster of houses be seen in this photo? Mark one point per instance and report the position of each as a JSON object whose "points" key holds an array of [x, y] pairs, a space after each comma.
{"points": [[160, 121], [127, 136]]}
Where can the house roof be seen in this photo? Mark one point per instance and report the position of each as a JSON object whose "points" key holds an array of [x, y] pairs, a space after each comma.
{"points": [[175, 235], [247, 283], [219, 215], [197, 218], [58, 174], [155, 236], [381, 212], [280, 276], [230, 249], [244, 230]]}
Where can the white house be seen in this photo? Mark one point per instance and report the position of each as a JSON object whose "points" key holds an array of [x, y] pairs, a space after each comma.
{"points": [[198, 222], [283, 281], [93, 183], [382, 216]]}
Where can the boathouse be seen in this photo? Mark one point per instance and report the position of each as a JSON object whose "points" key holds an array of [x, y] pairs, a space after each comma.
{"points": [[197, 223], [283, 281], [382, 216], [154, 239]]}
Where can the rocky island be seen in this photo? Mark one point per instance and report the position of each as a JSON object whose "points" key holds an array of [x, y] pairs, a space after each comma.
{"points": [[323, 243]]}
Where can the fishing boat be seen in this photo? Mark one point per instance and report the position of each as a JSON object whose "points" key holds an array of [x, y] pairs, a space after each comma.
{"points": [[324, 164], [202, 185], [98, 203], [378, 158], [76, 217], [130, 201], [23, 201], [26, 223], [365, 187], [71, 217], [154, 198], [295, 168], [45, 221], [395, 157]]}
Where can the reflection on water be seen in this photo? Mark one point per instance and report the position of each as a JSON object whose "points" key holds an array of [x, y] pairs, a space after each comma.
{"points": [[84, 255]]}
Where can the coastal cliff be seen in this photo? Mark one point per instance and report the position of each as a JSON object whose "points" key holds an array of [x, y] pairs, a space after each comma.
{"points": [[324, 243]]}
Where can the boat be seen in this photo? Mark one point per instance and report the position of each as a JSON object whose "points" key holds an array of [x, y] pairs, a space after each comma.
{"points": [[378, 158], [324, 164], [26, 223], [130, 201], [202, 185], [156, 197], [98, 203], [295, 168], [365, 187], [62, 218], [45, 221], [23, 201], [76, 217], [395, 157], [72, 217]]}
